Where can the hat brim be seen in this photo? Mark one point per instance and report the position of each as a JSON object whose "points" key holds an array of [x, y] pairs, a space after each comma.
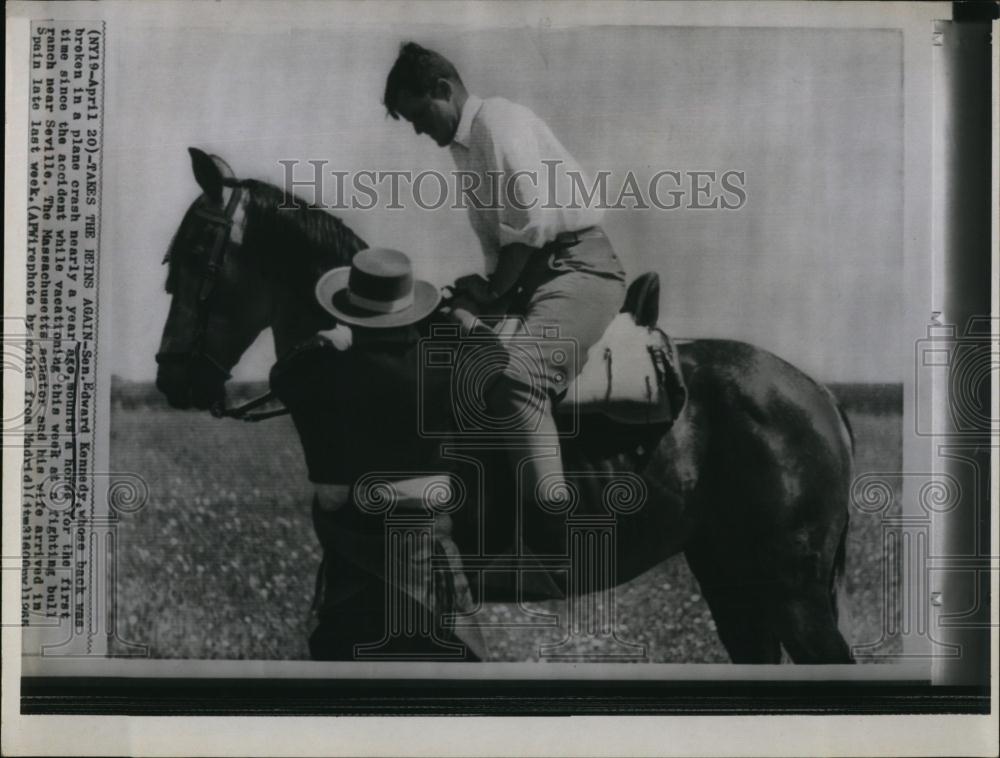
{"points": [[331, 292]]}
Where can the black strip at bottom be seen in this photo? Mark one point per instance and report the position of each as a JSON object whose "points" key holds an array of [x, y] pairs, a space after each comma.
{"points": [[218, 697]]}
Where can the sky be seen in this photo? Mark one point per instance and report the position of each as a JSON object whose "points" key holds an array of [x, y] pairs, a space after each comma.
{"points": [[809, 268]]}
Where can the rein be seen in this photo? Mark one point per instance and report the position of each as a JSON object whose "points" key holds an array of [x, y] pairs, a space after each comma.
{"points": [[243, 412]]}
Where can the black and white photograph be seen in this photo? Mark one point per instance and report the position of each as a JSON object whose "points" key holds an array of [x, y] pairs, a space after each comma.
{"points": [[388, 359]]}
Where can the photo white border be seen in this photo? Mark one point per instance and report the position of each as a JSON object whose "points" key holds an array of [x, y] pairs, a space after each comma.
{"points": [[747, 735]]}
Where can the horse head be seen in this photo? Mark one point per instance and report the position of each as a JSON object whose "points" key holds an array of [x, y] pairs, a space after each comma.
{"points": [[245, 258]]}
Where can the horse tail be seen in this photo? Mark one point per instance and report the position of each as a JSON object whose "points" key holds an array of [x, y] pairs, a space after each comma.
{"points": [[839, 563], [847, 425], [838, 591]]}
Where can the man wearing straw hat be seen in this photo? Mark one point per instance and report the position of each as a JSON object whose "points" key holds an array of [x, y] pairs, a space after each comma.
{"points": [[360, 426], [547, 263]]}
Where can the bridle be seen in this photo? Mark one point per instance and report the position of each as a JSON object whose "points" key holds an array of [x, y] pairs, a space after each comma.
{"points": [[220, 226]]}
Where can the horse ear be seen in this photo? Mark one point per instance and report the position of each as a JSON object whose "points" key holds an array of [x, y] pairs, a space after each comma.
{"points": [[207, 173], [224, 168]]}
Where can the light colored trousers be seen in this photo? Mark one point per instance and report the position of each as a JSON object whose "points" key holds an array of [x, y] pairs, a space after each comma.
{"points": [[565, 300]]}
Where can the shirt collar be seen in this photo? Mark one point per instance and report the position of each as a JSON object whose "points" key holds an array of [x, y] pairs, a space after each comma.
{"points": [[469, 112]]}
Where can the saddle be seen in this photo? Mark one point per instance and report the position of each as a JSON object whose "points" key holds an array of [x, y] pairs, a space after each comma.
{"points": [[632, 373]]}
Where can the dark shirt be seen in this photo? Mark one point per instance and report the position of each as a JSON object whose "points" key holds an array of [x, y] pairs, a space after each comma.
{"points": [[358, 411]]}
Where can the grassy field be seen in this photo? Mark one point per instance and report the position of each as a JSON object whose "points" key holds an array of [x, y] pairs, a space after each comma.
{"points": [[220, 562]]}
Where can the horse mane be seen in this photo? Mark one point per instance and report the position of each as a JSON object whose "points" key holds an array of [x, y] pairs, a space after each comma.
{"points": [[280, 221]]}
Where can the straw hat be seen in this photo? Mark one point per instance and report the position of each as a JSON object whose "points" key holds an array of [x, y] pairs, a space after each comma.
{"points": [[377, 291]]}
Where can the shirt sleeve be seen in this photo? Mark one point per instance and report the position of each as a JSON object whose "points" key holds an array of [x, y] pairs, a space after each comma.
{"points": [[518, 139]]}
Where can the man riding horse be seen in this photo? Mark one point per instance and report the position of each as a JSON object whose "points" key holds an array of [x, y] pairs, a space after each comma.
{"points": [[552, 267]]}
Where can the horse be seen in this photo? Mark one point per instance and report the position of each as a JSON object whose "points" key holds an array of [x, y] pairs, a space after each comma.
{"points": [[751, 483]]}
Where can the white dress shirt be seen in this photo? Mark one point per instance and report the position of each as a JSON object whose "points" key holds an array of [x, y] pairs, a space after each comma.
{"points": [[495, 140]]}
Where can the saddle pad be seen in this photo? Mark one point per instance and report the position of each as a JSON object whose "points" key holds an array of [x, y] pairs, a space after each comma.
{"points": [[632, 375]]}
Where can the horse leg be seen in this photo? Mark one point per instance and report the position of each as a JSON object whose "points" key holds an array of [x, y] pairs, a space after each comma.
{"points": [[807, 616], [740, 609], [808, 629]]}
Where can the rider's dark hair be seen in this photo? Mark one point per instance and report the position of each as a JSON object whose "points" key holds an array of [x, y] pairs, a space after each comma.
{"points": [[416, 71]]}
